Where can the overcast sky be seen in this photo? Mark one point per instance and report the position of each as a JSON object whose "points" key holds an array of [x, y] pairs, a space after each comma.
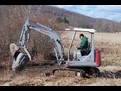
{"points": [[111, 12]]}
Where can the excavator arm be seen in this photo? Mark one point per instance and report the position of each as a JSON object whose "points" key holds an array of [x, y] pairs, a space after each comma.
{"points": [[25, 36]]}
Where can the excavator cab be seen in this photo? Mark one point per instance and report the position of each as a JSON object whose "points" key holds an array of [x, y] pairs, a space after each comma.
{"points": [[87, 60], [89, 57]]}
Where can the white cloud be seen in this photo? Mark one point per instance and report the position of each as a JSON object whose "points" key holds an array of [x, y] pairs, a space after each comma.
{"points": [[84, 7], [108, 6], [63, 6], [87, 6]]}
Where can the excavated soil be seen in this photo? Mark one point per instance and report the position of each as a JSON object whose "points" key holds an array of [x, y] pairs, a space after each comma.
{"points": [[40, 75]]}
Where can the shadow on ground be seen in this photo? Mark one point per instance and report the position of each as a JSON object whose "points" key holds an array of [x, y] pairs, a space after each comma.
{"points": [[110, 74]]}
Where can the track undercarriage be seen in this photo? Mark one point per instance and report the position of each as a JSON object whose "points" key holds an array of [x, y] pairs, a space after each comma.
{"points": [[54, 69], [84, 72]]}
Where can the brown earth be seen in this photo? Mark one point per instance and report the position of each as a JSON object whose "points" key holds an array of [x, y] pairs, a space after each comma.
{"points": [[35, 75]]}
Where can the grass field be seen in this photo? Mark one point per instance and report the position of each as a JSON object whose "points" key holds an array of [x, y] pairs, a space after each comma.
{"points": [[110, 45]]}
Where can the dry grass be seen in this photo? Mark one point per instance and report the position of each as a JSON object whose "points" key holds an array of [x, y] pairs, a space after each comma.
{"points": [[110, 54], [110, 69]]}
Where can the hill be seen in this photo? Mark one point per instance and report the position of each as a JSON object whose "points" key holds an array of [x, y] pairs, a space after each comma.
{"points": [[78, 20]]}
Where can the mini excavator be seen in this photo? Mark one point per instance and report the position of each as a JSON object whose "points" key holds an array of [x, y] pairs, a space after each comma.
{"points": [[87, 63]]}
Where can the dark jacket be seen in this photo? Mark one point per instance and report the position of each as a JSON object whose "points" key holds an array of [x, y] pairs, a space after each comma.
{"points": [[84, 43]]}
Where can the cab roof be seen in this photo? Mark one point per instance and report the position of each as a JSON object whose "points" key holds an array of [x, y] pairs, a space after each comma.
{"points": [[81, 29]]}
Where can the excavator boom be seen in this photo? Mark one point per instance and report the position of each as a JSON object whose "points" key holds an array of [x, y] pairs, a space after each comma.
{"points": [[25, 36]]}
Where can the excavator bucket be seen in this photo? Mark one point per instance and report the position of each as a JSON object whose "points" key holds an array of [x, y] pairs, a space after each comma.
{"points": [[23, 62], [19, 59]]}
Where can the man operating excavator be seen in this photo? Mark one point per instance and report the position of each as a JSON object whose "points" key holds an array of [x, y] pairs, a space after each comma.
{"points": [[83, 46]]}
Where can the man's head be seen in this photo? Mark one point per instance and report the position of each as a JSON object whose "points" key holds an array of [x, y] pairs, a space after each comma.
{"points": [[81, 36]]}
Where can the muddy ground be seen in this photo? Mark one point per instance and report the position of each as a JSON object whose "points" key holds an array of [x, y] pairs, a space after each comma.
{"points": [[34, 74]]}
